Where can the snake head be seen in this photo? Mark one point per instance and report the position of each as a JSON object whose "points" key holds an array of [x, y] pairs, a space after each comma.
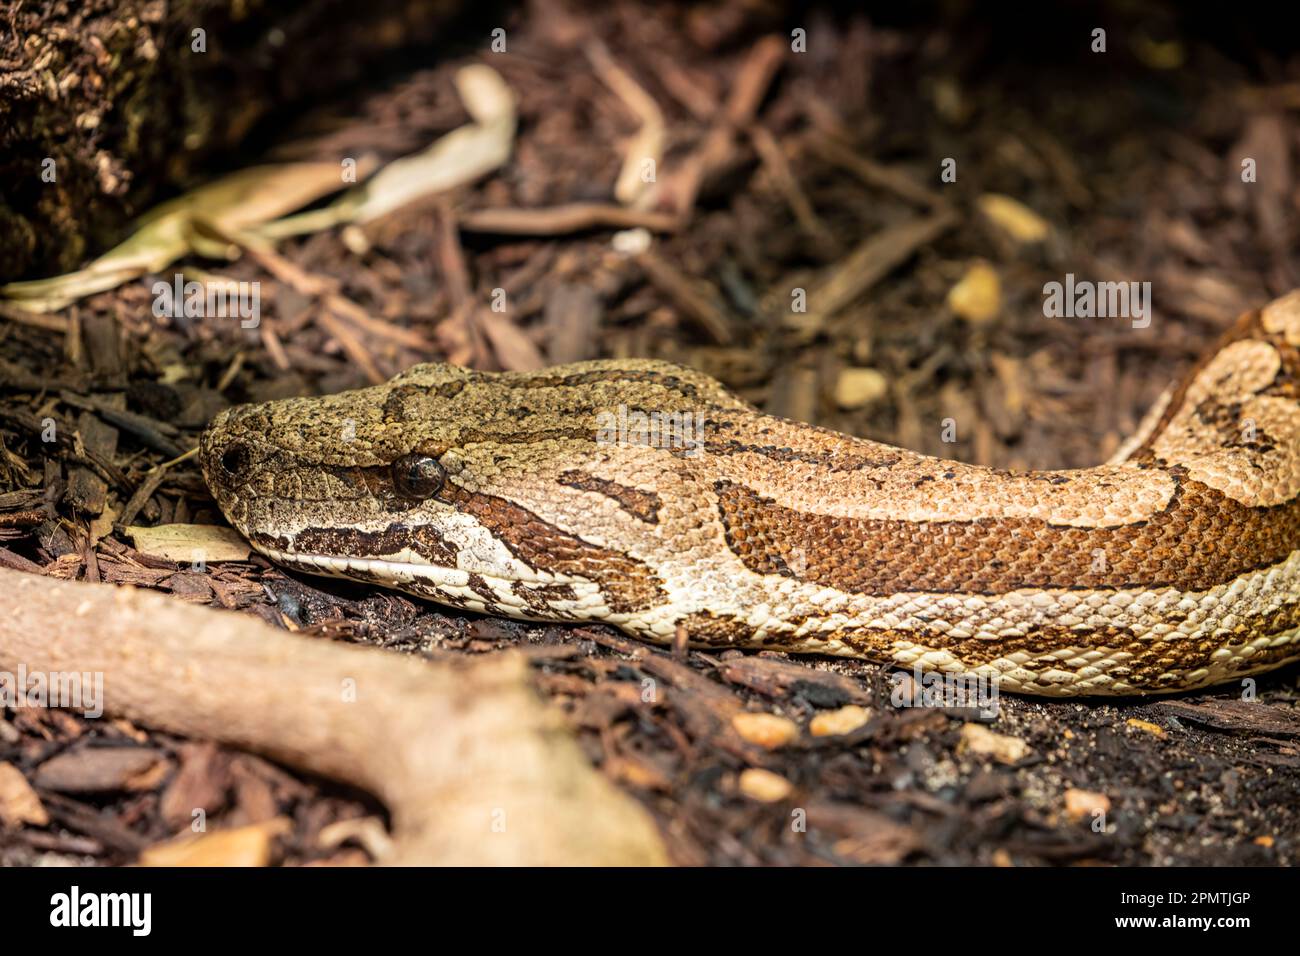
{"points": [[518, 493]]}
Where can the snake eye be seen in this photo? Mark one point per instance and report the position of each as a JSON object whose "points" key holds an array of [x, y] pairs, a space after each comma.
{"points": [[235, 459], [418, 476]]}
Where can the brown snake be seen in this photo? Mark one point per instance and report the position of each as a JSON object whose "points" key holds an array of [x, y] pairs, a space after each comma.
{"points": [[644, 495]]}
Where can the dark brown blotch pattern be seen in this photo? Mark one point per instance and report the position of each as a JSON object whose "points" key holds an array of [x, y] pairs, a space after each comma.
{"points": [[1202, 539]]}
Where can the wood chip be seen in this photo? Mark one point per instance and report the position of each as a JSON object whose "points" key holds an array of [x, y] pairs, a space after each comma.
{"points": [[692, 296], [1243, 716], [514, 350], [861, 835], [86, 490], [101, 770], [782, 679], [559, 220], [199, 785], [1015, 220], [19, 803], [1146, 726], [850, 278], [246, 846], [572, 319]]}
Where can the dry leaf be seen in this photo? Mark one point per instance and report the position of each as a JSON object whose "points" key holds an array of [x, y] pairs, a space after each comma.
{"points": [[461, 156], [168, 232], [190, 542]]}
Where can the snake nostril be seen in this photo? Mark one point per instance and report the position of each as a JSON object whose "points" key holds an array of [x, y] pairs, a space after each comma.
{"points": [[235, 459]]}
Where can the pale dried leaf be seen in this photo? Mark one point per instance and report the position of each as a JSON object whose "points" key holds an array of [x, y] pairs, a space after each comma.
{"points": [[166, 233], [190, 542]]}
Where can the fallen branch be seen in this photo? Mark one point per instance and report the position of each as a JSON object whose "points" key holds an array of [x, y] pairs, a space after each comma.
{"points": [[473, 767]]}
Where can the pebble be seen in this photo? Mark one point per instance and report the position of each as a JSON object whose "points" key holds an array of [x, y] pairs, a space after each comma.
{"points": [[977, 738], [845, 720], [977, 297], [764, 785], [768, 731], [859, 387], [1084, 804]]}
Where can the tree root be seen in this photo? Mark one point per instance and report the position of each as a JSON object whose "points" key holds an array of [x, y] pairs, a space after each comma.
{"points": [[472, 765]]}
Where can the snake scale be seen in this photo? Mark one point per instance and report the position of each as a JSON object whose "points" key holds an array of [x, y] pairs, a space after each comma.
{"points": [[644, 495]]}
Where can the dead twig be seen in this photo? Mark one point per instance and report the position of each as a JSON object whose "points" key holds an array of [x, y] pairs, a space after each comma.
{"points": [[872, 260], [874, 174], [684, 292], [718, 151], [778, 167], [633, 187], [571, 217]]}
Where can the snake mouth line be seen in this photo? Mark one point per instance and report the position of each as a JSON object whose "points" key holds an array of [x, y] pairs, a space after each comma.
{"points": [[370, 568]]}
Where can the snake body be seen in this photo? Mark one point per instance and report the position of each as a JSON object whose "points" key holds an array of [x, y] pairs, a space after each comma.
{"points": [[644, 495]]}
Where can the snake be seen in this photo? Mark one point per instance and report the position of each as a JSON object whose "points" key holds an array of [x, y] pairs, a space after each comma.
{"points": [[644, 495]]}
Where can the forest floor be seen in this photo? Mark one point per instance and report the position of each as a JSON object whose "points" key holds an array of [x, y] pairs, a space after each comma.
{"points": [[821, 170]]}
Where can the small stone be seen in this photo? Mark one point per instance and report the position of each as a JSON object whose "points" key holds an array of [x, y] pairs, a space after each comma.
{"points": [[835, 722], [859, 387], [1014, 218], [1084, 804], [977, 297], [764, 785], [768, 731], [1265, 841], [1145, 725], [354, 237], [977, 738], [631, 242]]}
